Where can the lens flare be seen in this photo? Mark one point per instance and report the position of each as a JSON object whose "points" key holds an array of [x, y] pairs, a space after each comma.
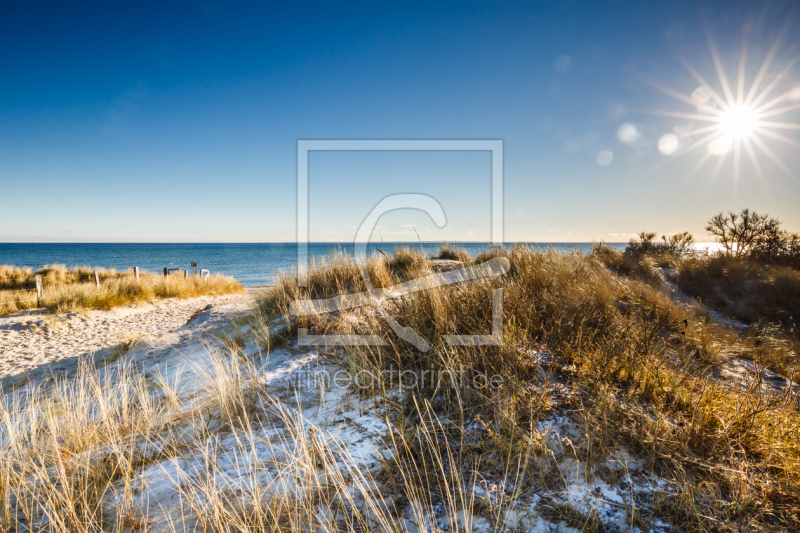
{"points": [[628, 133], [701, 95], [604, 158], [668, 144]]}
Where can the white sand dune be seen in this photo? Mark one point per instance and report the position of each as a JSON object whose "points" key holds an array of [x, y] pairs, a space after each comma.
{"points": [[30, 339]]}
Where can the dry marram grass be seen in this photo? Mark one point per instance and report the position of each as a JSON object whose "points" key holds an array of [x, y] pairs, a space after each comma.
{"points": [[608, 353], [74, 289]]}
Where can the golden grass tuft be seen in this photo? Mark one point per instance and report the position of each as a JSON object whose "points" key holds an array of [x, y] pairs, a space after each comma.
{"points": [[454, 253], [75, 289]]}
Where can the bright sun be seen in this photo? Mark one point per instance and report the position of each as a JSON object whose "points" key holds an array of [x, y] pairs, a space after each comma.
{"points": [[738, 121]]}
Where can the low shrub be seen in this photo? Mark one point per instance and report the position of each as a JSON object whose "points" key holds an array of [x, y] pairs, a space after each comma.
{"points": [[636, 266], [744, 289]]}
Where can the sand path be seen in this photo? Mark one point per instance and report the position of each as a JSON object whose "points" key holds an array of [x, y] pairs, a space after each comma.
{"points": [[183, 350], [32, 338]]}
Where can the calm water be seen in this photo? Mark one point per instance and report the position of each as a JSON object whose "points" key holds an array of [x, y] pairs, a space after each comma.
{"points": [[253, 264]]}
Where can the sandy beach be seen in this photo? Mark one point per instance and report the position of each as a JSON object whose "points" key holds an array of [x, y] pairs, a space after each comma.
{"points": [[30, 339]]}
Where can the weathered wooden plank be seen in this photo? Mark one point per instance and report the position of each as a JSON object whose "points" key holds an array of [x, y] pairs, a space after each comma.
{"points": [[39, 291]]}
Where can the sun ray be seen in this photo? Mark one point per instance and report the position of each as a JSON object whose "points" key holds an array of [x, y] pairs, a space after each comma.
{"points": [[775, 159], [720, 70], [790, 93], [765, 65], [682, 98], [676, 114], [781, 110], [694, 170], [772, 85], [740, 81], [737, 162], [717, 168], [780, 125], [705, 141], [714, 94], [777, 136], [713, 127], [754, 159]]}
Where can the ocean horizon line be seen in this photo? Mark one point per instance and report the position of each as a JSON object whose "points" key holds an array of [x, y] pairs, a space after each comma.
{"points": [[489, 243], [252, 263]]}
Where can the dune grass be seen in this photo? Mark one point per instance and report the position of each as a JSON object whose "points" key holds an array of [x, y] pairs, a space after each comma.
{"points": [[454, 253], [75, 289], [633, 375], [580, 342], [70, 458]]}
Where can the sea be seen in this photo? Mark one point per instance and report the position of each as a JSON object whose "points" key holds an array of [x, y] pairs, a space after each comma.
{"points": [[252, 264]]}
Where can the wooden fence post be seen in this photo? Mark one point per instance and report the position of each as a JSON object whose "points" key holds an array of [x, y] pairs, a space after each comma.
{"points": [[185, 274], [136, 273], [97, 279], [38, 291], [166, 272]]}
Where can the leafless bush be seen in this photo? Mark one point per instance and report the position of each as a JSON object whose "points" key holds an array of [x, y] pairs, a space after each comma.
{"points": [[760, 237]]}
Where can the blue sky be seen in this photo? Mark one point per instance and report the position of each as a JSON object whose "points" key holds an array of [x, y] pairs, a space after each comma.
{"points": [[148, 122]]}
